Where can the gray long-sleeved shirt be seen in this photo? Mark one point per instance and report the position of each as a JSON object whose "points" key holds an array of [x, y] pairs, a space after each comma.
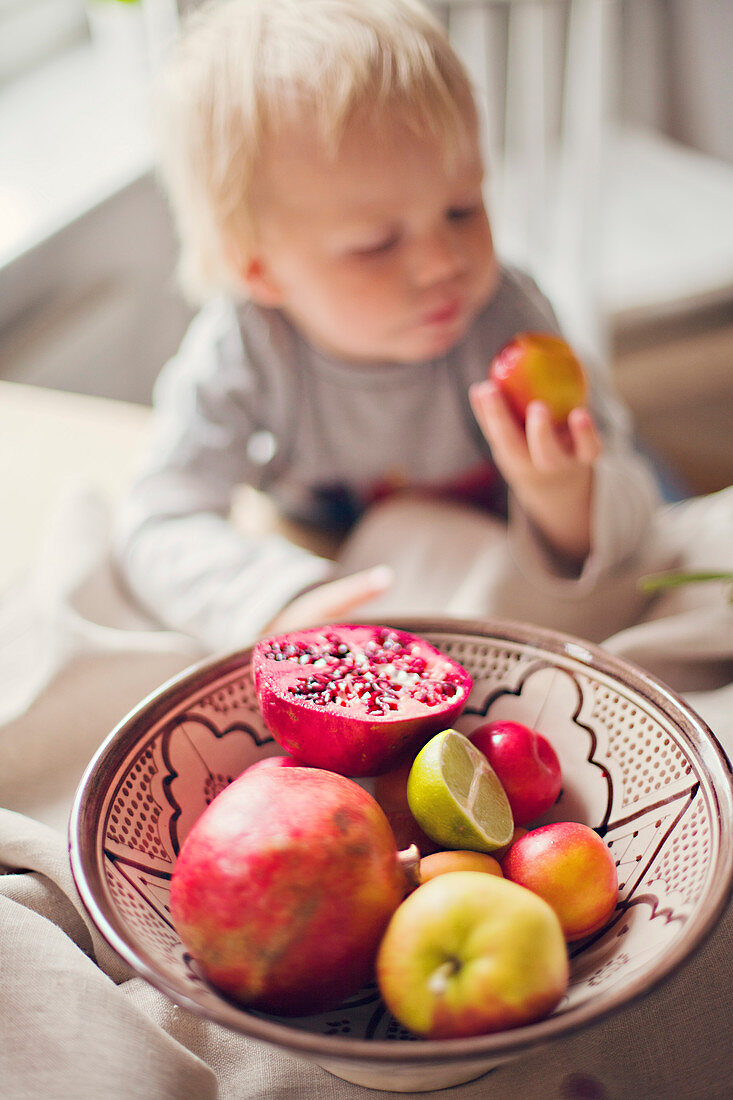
{"points": [[248, 400]]}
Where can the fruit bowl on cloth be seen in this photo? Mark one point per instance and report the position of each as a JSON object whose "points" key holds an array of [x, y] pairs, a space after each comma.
{"points": [[639, 767]]}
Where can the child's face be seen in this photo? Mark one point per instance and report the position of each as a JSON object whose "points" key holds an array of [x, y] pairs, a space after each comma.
{"points": [[383, 253]]}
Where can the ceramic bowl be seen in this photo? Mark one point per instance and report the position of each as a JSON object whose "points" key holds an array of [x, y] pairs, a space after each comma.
{"points": [[638, 764]]}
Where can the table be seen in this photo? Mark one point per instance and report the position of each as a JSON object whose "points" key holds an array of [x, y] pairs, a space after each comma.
{"points": [[47, 439]]}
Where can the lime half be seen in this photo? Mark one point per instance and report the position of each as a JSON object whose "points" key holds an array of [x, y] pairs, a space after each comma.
{"points": [[456, 797]]}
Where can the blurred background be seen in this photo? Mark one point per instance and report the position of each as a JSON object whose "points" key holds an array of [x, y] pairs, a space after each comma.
{"points": [[610, 150]]}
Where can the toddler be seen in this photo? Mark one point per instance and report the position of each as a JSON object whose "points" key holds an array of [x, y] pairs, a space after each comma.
{"points": [[323, 163]]}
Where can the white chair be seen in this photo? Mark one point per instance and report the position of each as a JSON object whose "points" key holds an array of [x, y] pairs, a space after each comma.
{"points": [[619, 225]]}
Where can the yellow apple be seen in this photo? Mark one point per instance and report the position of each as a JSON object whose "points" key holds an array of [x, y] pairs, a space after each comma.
{"points": [[469, 953]]}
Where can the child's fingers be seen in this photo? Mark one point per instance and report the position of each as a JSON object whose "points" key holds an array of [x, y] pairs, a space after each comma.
{"points": [[587, 442], [357, 588], [333, 599], [545, 446], [496, 420], [552, 448]]}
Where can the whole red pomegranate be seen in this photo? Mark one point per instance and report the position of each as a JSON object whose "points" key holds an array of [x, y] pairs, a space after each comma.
{"points": [[284, 886], [352, 698]]}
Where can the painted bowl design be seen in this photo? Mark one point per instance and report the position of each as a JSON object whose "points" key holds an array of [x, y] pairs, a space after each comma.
{"points": [[638, 765]]}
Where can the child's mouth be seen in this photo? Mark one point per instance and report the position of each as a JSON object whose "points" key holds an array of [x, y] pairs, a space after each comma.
{"points": [[444, 315]]}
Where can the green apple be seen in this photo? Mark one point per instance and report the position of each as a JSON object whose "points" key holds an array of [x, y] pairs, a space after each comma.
{"points": [[469, 953], [539, 366]]}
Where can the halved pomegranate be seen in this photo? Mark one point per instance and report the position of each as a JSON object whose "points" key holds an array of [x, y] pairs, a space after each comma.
{"points": [[353, 698]]}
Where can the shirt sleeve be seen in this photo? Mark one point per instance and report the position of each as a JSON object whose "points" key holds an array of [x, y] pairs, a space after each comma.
{"points": [[175, 546]]}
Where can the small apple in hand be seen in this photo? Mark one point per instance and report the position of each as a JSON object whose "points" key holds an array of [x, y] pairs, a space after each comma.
{"points": [[526, 763], [469, 953], [570, 866], [540, 366]]}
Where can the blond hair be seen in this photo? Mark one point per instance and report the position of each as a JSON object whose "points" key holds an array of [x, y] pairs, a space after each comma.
{"points": [[243, 68]]}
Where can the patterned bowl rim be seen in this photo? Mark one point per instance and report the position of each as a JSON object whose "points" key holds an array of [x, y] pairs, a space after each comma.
{"points": [[86, 867]]}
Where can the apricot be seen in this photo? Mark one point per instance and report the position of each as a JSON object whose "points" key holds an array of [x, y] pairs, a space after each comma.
{"points": [[440, 863]]}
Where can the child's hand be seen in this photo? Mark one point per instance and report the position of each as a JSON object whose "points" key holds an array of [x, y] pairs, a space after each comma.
{"points": [[550, 470], [332, 601]]}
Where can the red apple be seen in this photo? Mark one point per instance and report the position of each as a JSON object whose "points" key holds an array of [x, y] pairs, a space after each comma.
{"points": [[526, 763], [284, 886], [570, 866], [540, 366], [469, 953]]}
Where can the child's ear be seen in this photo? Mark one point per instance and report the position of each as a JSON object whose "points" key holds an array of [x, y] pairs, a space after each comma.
{"points": [[262, 287]]}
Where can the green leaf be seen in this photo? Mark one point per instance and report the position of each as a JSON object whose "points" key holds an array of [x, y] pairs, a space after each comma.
{"points": [[656, 582]]}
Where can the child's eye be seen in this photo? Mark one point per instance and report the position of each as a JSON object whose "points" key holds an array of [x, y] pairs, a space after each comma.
{"points": [[462, 213], [386, 244]]}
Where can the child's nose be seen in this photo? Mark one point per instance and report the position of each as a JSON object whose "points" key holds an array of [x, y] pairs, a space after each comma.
{"points": [[436, 258]]}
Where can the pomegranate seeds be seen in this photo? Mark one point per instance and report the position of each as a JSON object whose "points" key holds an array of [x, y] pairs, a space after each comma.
{"points": [[352, 698]]}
